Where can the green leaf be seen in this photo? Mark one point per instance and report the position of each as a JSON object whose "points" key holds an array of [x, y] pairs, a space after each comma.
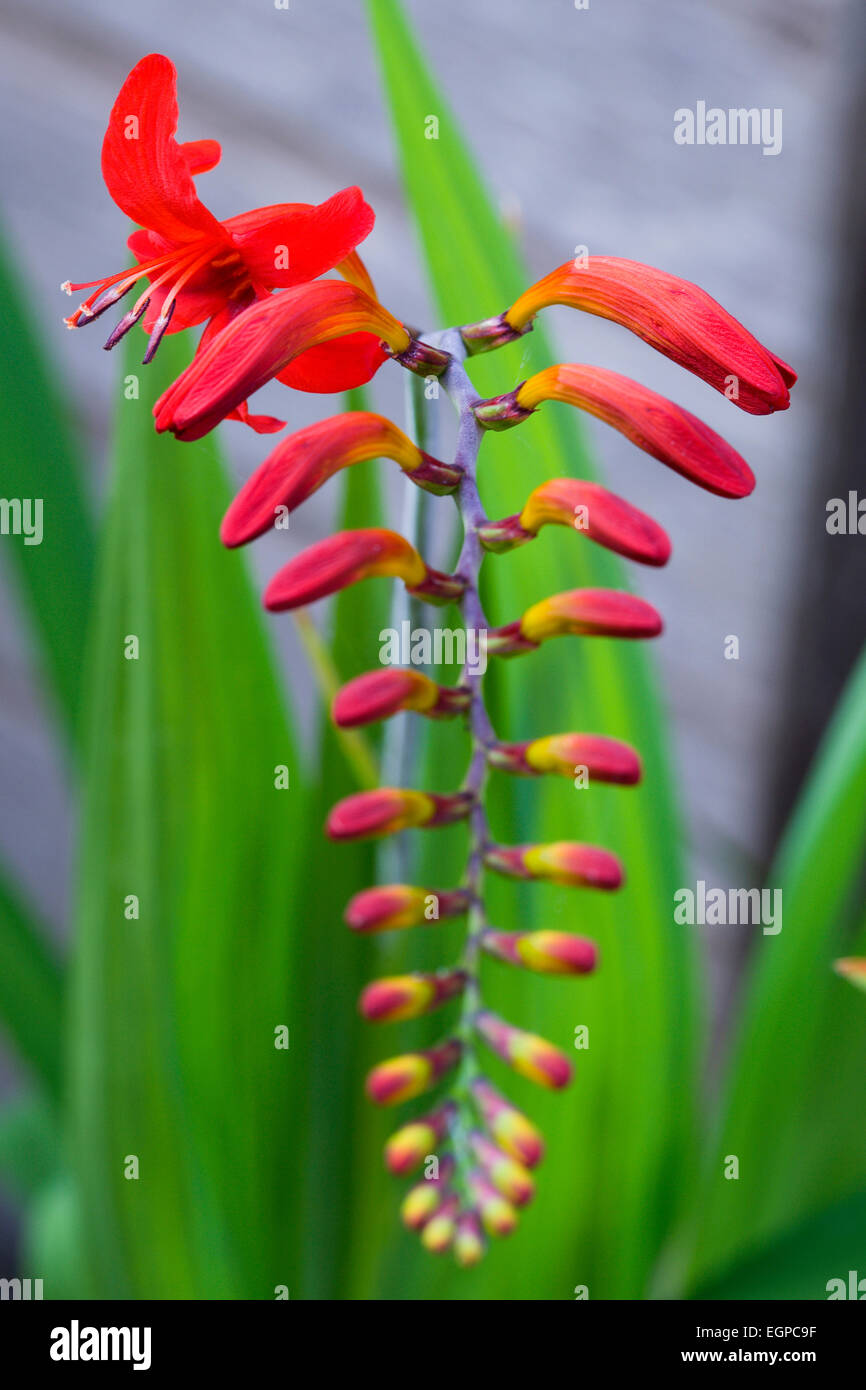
{"points": [[338, 1160], [39, 462], [188, 893], [29, 1145], [797, 1090], [31, 990], [620, 1151], [803, 1261]]}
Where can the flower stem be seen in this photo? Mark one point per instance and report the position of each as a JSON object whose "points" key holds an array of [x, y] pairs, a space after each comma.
{"points": [[463, 395]]}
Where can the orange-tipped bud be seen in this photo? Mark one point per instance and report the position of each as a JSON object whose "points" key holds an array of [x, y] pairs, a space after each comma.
{"points": [[601, 515], [438, 1233], [380, 694], [426, 1197], [410, 1145], [408, 996], [546, 952], [507, 1175], [370, 815], [398, 905], [661, 428], [675, 317], [565, 861], [401, 1078], [590, 613], [510, 1128], [852, 968], [497, 1215], [588, 509], [528, 1054], [601, 759], [468, 1240], [344, 559], [300, 464]]}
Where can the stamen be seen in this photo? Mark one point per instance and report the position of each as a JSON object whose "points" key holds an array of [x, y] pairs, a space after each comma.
{"points": [[128, 321], [159, 328]]}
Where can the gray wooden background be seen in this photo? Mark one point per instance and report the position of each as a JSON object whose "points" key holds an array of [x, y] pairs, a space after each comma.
{"points": [[571, 115]]}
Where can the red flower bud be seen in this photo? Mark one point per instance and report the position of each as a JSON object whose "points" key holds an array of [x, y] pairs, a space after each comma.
{"points": [[590, 510], [408, 996], [338, 561], [399, 905], [675, 317], [505, 1173], [299, 465], [401, 1078], [547, 952], [508, 1125], [468, 1240], [526, 1053], [427, 1196], [411, 1144], [565, 861], [497, 1215], [381, 694], [605, 759], [578, 613], [368, 815]]}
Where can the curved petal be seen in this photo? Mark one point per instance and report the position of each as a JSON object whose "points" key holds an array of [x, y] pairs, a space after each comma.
{"points": [[260, 343], [290, 243], [340, 365], [146, 171], [201, 155]]}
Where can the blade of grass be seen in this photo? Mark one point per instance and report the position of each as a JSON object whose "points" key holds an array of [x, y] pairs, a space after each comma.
{"points": [[31, 990], [803, 1261], [38, 461], [176, 1009], [797, 1090]]}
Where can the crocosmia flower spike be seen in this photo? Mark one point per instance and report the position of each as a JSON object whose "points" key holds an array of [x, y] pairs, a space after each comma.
{"points": [[272, 317]]}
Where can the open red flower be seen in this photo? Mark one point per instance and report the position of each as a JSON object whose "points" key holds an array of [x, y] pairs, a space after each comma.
{"points": [[198, 268]]}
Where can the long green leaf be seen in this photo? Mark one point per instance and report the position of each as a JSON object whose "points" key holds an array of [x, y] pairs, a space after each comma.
{"points": [[175, 1008], [797, 1095], [31, 990], [38, 462], [620, 1152], [804, 1261]]}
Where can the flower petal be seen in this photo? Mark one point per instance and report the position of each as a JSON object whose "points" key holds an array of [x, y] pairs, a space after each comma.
{"points": [[260, 342], [290, 243], [341, 365], [146, 171], [201, 155]]}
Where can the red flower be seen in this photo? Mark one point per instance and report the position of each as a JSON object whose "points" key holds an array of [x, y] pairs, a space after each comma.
{"points": [[199, 268]]}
